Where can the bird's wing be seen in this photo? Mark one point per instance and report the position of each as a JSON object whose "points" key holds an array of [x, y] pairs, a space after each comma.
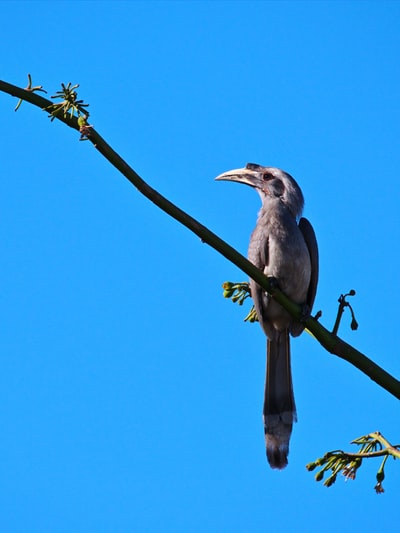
{"points": [[311, 241], [264, 253], [259, 256]]}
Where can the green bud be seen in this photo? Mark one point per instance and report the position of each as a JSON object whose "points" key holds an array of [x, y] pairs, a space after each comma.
{"points": [[227, 293], [319, 476], [330, 481], [380, 475]]}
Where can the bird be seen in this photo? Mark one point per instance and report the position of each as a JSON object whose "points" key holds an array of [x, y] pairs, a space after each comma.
{"points": [[283, 245]]}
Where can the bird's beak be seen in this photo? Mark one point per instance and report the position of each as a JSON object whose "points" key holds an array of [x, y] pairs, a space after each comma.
{"points": [[243, 175]]}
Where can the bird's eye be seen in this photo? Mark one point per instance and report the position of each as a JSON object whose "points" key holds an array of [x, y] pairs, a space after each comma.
{"points": [[267, 176]]}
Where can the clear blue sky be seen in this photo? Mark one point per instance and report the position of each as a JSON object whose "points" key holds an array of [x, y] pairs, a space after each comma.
{"points": [[130, 390]]}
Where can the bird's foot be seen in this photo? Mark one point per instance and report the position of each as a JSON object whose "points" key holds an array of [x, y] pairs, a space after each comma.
{"points": [[273, 283], [305, 313]]}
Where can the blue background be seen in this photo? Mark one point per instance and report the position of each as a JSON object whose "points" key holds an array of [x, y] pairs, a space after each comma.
{"points": [[130, 390]]}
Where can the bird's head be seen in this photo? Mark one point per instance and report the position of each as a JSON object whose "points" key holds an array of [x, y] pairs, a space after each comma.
{"points": [[270, 183]]}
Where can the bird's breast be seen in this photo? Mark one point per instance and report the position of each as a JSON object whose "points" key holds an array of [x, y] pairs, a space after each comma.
{"points": [[277, 247]]}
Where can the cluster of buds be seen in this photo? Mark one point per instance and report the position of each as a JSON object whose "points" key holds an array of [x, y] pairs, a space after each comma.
{"points": [[371, 445], [70, 104], [238, 292], [336, 462]]}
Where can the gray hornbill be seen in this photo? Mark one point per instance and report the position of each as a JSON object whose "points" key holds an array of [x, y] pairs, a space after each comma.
{"points": [[284, 247]]}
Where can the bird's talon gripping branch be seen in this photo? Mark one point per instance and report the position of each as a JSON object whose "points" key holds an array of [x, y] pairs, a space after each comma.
{"points": [[305, 313], [273, 283]]}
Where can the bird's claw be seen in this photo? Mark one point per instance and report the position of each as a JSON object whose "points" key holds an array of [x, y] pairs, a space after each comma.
{"points": [[305, 313], [273, 283]]}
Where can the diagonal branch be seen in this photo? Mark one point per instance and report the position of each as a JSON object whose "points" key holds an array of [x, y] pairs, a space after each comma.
{"points": [[331, 342]]}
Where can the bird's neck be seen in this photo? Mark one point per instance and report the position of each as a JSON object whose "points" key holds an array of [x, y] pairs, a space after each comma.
{"points": [[275, 207]]}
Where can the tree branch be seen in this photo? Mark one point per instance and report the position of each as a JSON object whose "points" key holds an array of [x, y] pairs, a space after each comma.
{"points": [[329, 341], [371, 446]]}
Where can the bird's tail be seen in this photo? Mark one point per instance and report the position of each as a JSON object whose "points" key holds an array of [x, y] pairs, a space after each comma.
{"points": [[279, 406]]}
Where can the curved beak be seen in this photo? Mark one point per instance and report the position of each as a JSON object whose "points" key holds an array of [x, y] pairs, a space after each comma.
{"points": [[246, 175]]}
